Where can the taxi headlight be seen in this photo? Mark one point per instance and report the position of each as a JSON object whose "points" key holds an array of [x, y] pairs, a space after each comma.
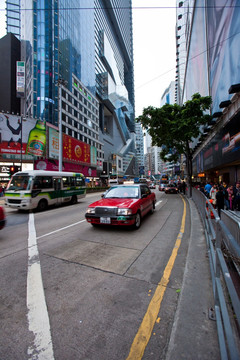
{"points": [[91, 210], [124, 211]]}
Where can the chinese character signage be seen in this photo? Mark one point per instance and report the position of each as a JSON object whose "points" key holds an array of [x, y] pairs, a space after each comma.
{"points": [[53, 143], [75, 150], [93, 155], [20, 81]]}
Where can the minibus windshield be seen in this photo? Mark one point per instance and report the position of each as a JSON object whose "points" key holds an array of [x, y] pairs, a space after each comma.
{"points": [[20, 182]]}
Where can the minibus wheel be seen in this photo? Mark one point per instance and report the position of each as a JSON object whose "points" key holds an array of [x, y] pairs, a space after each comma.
{"points": [[42, 205], [74, 200]]}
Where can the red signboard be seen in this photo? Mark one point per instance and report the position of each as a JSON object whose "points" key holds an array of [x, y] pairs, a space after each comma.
{"points": [[52, 165], [75, 150]]}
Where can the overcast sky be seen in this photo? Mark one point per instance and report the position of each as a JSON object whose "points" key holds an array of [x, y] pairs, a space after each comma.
{"points": [[154, 49]]}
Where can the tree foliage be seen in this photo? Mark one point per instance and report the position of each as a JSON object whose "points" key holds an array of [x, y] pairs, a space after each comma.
{"points": [[173, 127]]}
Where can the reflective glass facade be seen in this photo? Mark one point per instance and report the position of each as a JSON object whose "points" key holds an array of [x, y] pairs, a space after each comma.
{"points": [[59, 37], [92, 40], [114, 77], [13, 17]]}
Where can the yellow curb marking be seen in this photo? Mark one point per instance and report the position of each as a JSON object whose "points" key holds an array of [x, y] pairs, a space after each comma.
{"points": [[145, 330]]}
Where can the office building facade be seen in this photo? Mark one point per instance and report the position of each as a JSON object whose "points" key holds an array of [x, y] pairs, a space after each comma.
{"points": [[207, 62], [88, 43], [13, 16]]}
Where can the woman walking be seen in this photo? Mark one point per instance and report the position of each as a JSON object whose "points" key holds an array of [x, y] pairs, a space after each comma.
{"points": [[230, 196], [212, 195]]}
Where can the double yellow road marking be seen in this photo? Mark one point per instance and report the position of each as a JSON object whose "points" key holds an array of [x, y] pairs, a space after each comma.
{"points": [[145, 330]]}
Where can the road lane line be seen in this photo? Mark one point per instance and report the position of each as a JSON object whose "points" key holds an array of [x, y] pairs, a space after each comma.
{"points": [[79, 222], [65, 227], [38, 320], [145, 330]]}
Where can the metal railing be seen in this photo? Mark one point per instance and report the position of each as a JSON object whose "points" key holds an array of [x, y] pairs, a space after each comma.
{"points": [[227, 304]]}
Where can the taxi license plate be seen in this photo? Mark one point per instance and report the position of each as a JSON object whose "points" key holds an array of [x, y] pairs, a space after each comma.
{"points": [[105, 220]]}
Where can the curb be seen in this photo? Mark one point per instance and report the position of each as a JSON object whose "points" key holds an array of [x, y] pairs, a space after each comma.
{"points": [[194, 334]]}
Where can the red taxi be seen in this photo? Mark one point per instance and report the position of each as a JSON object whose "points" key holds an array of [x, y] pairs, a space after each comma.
{"points": [[171, 189], [122, 205]]}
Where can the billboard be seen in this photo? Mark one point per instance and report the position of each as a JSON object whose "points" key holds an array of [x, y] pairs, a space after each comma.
{"points": [[223, 19], [14, 133], [73, 149], [197, 57]]}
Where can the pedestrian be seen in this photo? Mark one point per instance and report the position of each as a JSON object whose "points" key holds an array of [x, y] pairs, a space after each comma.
{"points": [[212, 195], [207, 189], [226, 200], [220, 200], [230, 196], [236, 199]]}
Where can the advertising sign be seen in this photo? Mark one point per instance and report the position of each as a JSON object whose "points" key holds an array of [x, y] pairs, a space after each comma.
{"points": [[14, 133], [20, 81], [93, 155], [37, 139], [75, 150], [52, 165], [224, 50], [53, 143]]}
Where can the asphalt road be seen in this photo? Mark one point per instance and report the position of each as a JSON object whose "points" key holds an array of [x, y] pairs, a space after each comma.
{"points": [[71, 291]]}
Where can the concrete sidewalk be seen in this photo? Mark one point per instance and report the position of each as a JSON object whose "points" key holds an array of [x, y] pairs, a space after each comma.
{"points": [[194, 334]]}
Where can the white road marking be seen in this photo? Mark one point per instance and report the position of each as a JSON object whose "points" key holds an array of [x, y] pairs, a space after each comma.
{"points": [[65, 227], [157, 203], [38, 320]]}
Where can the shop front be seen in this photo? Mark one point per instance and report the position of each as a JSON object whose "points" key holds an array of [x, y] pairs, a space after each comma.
{"points": [[219, 160]]}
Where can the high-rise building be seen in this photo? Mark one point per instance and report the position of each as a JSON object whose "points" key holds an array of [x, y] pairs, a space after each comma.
{"points": [[13, 14], [114, 83], [88, 43], [207, 63], [140, 148]]}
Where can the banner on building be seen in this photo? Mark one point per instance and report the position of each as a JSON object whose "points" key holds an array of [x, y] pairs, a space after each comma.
{"points": [[73, 149], [20, 80], [53, 146], [93, 155]]}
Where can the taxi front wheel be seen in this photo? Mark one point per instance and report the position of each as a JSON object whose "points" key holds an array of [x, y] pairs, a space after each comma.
{"points": [[138, 221]]}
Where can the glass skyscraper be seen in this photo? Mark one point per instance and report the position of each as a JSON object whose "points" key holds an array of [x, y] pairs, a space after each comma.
{"points": [[92, 40]]}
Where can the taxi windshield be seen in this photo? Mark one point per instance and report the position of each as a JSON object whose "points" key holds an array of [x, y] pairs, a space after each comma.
{"points": [[20, 182], [123, 192]]}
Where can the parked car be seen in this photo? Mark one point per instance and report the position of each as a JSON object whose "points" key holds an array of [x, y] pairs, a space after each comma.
{"points": [[171, 189], [2, 218], [122, 205]]}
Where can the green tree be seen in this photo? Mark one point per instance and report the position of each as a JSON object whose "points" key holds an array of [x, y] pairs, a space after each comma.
{"points": [[173, 127]]}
